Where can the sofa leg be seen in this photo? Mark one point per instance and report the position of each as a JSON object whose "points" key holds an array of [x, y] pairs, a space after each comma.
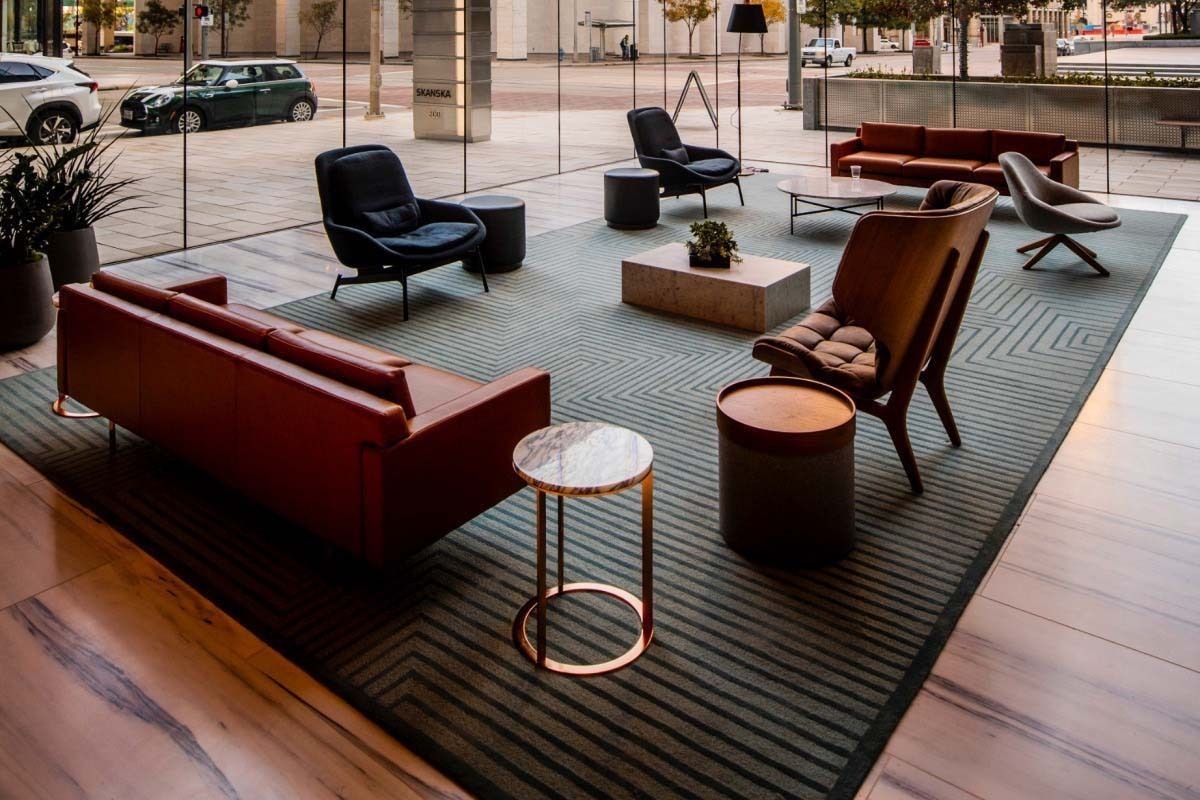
{"points": [[337, 281], [112, 436], [60, 409]]}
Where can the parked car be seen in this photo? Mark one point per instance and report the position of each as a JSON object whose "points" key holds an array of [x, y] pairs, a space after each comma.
{"points": [[223, 94], [827, 51], [50, 100], [886, 44], [1066, 47]]}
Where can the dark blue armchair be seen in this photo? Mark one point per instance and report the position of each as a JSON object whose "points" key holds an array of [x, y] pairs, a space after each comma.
{"points": [[682, 168], [379, 228]]}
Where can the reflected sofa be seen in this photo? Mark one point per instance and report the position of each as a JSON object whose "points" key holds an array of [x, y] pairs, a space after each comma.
{"points": [[374, 453], [916, 155]]}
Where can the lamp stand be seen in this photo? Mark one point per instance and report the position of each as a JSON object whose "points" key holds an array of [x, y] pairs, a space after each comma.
{"points": [[745, 170]]}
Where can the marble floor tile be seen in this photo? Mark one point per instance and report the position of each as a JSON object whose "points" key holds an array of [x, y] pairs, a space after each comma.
{"points": [[895, 779], [1117, 578], [1159, 355], [1160, 409], [1020, 707]]}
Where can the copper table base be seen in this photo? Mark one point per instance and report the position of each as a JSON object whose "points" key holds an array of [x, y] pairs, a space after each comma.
{"points": [[521, 638], [59, 408]]}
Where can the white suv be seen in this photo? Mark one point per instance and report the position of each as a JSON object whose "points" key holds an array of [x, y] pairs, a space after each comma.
{"points": [[47, 99]]}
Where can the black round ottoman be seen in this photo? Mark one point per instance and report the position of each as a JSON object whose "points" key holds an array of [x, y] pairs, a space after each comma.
{"points": [[631, 198], [504, 219]]}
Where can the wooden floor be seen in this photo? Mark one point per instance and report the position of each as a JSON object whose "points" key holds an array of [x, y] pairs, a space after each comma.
{"points": [[1075, 672]]}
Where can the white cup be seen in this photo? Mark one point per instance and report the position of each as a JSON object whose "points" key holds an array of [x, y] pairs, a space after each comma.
{"points": [[856, 172]]}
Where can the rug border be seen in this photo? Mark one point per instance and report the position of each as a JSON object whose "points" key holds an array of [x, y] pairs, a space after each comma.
{"points": [[871, 745]]}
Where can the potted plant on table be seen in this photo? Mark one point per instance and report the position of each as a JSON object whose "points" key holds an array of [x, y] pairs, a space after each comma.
{"points": [[28, 212], [712, 245], [80, 178]]}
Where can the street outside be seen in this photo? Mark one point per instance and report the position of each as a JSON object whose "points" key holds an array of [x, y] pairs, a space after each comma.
{"points": [[255, 179]]}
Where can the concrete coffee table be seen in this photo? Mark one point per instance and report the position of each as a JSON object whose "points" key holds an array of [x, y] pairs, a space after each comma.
{"points": [[755, 294], [848, 194]]}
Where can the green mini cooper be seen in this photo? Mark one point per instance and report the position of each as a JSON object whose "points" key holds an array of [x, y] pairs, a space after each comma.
{"points": [[223, 94]]}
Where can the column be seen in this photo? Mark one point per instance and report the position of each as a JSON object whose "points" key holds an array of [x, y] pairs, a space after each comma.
{"points": [[287, 28], [452, 62], [512, 40], [391, 28]]}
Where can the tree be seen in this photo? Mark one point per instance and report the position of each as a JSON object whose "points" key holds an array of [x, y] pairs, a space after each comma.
{"points": [[775, 11], [323, 18], [227, 15], [1179, 12], [100, 14], [157, 20], [690, 12]]}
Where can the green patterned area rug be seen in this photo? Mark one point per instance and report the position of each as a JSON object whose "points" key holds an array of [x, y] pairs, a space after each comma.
{"points": [[759, 683]]}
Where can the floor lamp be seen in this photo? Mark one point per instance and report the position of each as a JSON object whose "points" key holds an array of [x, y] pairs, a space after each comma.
{"points": [[745, 18]]}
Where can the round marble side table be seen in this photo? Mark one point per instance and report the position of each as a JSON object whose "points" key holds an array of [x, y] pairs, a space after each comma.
{"points": [[585, 459]]}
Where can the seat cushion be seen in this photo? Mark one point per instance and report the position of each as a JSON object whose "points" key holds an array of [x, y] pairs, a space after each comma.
{"points": [[382, 380], [357, 349], [135, 292], [824, 348], [952, 168], [993, 175], [1037, 147], [219, 320], [435, 237], [1096, 213], [886, 137], [264, 317], [876, 162], [713, 167], [431, 387], [973, 144]]}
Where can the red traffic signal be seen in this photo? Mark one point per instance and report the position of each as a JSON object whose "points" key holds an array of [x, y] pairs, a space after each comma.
{"points": [[199, 11]]}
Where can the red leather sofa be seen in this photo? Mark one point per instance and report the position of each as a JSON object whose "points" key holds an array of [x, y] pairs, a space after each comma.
{"points": [[914, 155], [374, 453]]}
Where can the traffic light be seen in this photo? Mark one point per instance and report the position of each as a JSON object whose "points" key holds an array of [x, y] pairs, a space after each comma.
{"points": [[199, 11]]}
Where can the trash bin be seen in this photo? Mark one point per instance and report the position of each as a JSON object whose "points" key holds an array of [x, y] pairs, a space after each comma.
{"points": [[633, 52], [596, 54]]}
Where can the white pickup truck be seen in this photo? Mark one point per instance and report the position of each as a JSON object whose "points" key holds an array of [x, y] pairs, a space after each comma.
{"points": [[827, 52]]}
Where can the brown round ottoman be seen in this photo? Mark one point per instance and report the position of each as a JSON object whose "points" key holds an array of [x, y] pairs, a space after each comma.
{"points": [[786, 470]]}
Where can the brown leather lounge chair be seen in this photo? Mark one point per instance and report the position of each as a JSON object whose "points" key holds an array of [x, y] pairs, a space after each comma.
{"points": [[898, 299]]}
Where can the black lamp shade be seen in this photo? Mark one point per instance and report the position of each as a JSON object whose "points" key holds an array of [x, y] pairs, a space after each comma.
{"points": [[747, 18]]}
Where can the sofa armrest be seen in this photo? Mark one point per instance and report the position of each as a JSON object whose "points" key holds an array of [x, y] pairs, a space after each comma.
{"points": [[1064, 168], [210, 288], [843, 148], [527, 385]]}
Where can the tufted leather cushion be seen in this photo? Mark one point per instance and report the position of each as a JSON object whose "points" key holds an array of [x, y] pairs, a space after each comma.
{"points": [[382, 380], [435, 237], [974, 144], [135, 292], [826, 349], [886, 137], [876, 162], [953, 168], [364, 184], [1037, 147]]}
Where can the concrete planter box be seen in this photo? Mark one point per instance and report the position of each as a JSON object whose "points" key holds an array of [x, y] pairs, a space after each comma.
{"points": [[1077, 111]]}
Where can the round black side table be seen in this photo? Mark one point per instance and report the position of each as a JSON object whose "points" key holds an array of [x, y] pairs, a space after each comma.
{"points": [[631, 198], [504, 219]]}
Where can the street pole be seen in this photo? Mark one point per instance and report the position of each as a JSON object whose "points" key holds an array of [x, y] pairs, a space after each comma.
{"points": [[375, 74], [795, 97], [574, 31]]}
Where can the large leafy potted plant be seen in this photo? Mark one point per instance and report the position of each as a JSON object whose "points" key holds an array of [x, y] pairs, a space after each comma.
{"points": [[80, 177], [27, 213], [712, 245]]}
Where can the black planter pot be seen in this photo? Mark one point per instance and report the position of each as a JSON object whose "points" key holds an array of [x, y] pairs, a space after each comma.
{"points": [[716, 262], [26, 304], [73, 256]]}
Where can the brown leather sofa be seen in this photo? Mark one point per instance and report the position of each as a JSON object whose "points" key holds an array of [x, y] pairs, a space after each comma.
{"points": [[914, 155], [364, 448]]}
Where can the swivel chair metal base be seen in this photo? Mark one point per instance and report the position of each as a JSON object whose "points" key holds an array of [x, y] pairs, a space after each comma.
{"points": [[701, 190], [399, 274], [1051, 242]]}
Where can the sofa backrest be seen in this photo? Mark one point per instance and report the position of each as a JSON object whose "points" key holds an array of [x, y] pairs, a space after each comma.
{"points": [[969, 143], [887, 137], [382, 380], [1037, 147]]}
